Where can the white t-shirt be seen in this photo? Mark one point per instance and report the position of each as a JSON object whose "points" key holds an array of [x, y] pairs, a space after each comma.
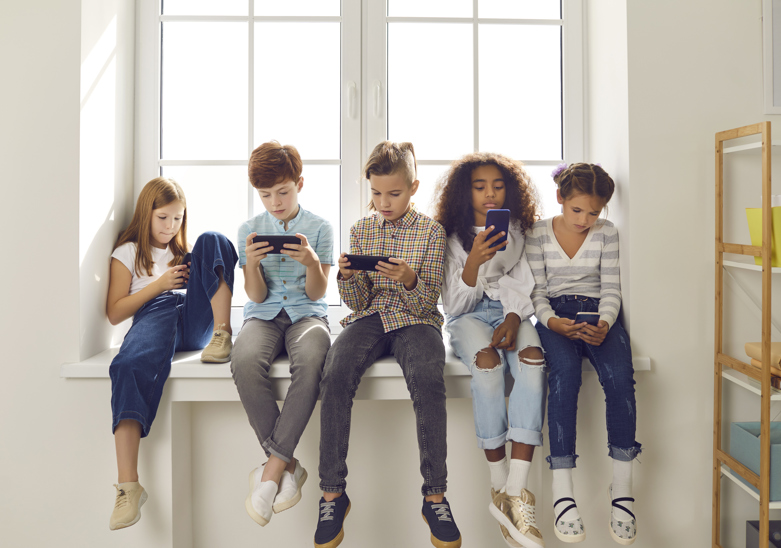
{"points": [[126, 254]]}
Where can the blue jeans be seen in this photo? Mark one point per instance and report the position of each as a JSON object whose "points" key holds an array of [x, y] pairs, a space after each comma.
{"points": [[166, 324], [613, 363], [421, 354], [469, 334]]}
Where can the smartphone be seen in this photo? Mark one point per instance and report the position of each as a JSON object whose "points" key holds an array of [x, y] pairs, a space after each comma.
{"points": [[500, 219], [365, 262], [277, 241], [588, 317], [188, 257]]}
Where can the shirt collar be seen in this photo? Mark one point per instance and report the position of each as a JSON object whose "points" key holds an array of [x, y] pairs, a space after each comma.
{"points": [[404, 222], [280, 226]]}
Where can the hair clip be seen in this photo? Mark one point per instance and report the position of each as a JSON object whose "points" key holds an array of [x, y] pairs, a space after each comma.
{"points": [[559, 168]]}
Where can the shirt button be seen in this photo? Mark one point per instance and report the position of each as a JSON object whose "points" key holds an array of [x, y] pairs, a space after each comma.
{"points": [[284, 281], [281, 222], [284, 298], [283, 260]]}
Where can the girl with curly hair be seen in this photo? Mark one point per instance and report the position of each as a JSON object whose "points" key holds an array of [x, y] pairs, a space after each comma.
{"points": [[487, 300]]}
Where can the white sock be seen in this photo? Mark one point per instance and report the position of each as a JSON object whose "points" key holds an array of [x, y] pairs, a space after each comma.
{"points": [[562, 488], [518, 477], [622, 487], [499, 471]]}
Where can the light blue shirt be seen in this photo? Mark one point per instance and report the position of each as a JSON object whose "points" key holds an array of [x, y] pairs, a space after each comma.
{"points": [[286, 277]]}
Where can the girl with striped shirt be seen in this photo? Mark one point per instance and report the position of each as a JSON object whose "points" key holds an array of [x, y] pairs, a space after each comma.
{"points": [[574, 260]]}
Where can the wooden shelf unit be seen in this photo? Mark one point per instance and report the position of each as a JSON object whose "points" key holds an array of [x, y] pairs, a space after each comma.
{"points": [[722, 461]]}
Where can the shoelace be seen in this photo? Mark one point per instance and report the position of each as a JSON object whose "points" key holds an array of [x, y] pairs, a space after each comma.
{"points": [[327, 511], [216, 340], [121, 497], [527, 512], [442, 511]]}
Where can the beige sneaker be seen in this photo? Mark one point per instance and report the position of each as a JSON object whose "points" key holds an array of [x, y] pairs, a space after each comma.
{"points": [[508, 540], [516, 514], [127, 508], [219, 348]]}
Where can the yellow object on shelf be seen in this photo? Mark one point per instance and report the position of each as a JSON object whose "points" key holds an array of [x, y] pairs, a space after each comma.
{"points": [[754, 215]]}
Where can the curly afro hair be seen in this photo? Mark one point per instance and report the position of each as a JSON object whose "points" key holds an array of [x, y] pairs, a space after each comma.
{"points": [[453, 208]]}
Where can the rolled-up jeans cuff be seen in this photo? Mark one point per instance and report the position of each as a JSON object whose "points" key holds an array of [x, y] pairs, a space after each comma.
{"points": [[433, 490], [624, 454], [561, 462], [522, 435], [275, 450], [331, 489], [491, 443]]}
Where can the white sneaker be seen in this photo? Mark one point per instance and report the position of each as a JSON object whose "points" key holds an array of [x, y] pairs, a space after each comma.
{"points": [[290, 488], [260, 498], [624, 530]]}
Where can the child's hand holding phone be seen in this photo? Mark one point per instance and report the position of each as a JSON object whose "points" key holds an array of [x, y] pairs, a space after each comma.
{"points": [[398, 270], [594, 334], [344, 267], [303, 252], [482, 250], [256, 252]]}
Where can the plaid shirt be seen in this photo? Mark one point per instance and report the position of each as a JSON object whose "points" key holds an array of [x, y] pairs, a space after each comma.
{"points": [[418, 240]]}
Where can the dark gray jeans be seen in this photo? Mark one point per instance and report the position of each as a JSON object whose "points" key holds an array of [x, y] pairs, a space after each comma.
{"points": [[260, 341], [421, 354]]}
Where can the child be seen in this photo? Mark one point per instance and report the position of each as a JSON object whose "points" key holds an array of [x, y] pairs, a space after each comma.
{"points": [[145, 269], [574, 258], [395, 312], [286, 310], [487, 299]]}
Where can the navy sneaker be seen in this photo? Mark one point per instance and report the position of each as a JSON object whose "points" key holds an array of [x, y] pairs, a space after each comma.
{"points": [[330, 525], [444, 532]]}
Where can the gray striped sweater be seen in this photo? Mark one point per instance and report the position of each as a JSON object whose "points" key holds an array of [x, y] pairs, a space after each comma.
{"points": [[592, 272]]}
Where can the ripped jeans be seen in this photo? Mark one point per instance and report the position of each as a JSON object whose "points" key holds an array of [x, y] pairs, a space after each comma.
{"points": [[613, 363], [469, 334]]}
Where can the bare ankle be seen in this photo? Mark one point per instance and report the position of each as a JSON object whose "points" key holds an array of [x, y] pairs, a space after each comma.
{"points": [[331, 496], [439, 497]]}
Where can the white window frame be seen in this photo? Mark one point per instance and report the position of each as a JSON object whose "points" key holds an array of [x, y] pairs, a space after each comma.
{"points": [[147, 142], [364, 92], [376, 70]]}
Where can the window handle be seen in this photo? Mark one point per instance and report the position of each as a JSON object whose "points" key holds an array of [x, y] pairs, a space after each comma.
{"points": [[377, 96], [352, 94]]}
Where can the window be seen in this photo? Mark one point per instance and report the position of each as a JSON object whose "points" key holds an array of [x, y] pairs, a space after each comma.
{"points": [[216, 79]]}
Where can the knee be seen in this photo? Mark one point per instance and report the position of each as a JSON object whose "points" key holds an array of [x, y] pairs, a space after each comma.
{"points": [[487, 360], [532, 356]]}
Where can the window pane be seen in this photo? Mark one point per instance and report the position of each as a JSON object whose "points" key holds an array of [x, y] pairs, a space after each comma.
{"points": [[297, 7], [205, 7], [321, 196], [216, 200], [430, 8], [204, 91], [520, 91], [519, 9], [297, 88], [430, 95], [429, 177], [546, 189]]}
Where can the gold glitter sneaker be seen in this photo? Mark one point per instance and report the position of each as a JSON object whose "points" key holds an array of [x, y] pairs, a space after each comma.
{"points": [[516, 515]]}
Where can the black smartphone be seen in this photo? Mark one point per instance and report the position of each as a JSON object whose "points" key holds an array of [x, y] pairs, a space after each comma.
{"points": [[277, 241], [365, 262], [588, 317], [188, 257], [500, 219]]}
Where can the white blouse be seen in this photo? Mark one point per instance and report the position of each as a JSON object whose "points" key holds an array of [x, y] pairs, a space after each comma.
{"points": [[507, 278]]}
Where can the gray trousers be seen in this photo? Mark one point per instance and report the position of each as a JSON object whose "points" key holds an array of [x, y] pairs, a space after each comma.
{"points": [[260, 341]]}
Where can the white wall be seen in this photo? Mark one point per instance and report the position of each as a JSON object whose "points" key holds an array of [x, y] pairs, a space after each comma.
{"points": [[695, 68], [691, 68]]}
